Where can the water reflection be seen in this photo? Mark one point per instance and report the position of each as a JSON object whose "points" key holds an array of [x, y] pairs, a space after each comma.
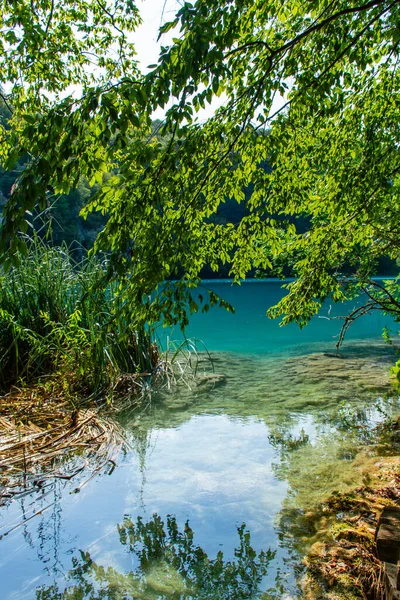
{"points": [[168, 565], [258, 446]]}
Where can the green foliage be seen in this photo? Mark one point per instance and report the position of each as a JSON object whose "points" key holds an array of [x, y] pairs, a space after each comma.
{"points": [[45, 46], [169, 565], [55, 315], [60, 221], [333, 147]]}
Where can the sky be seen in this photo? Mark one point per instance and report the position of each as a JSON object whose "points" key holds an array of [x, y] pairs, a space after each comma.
{"points": [[155, 13]]}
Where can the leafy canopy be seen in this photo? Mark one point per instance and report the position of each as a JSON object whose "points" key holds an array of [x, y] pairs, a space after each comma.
{"points": [[333, 145]]}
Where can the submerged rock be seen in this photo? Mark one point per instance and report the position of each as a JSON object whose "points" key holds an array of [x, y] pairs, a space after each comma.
{"points": [[333, 369], [210, 379], [177, 403], [185, 394], [341, 561]]}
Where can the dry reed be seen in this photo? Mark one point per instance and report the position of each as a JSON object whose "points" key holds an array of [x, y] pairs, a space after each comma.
{"points": [[40, 431]]}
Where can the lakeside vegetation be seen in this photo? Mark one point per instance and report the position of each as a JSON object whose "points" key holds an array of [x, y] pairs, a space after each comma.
{"points": [[57, 317], [69, 357]]}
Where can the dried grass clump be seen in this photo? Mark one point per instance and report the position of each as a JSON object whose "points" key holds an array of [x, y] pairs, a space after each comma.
{"points": [[40, 431]]}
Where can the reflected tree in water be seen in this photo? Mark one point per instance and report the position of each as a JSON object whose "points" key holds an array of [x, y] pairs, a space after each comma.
{"points": [[169, 565]]}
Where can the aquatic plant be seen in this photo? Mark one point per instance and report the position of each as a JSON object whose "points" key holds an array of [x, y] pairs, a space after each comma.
{"points": [[184, 360], [56, 317]]}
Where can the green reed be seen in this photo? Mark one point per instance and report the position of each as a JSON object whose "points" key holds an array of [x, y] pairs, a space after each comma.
{"points": [[57, 316]]}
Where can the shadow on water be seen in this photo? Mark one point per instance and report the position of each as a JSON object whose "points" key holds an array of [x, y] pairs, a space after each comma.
{"points": [[168, 565]]}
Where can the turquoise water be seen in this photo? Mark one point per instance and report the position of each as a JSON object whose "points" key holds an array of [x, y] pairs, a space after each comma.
{"points": [[250, 331], [268, 427]]}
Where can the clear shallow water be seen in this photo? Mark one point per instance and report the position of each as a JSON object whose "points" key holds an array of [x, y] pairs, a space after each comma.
{"points": [[266, 435]]}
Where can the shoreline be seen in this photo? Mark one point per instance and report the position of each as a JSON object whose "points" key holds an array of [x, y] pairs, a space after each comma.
{"points": [[341, 562]]}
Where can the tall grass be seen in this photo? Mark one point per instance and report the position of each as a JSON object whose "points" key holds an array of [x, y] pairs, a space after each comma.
{"points": [[56, 318]]}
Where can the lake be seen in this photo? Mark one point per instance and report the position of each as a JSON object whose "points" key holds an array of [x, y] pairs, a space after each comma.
{"points": [[203, 504]]}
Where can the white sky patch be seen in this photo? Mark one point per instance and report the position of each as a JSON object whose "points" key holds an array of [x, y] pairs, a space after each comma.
{"points": [[155, 13]]}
